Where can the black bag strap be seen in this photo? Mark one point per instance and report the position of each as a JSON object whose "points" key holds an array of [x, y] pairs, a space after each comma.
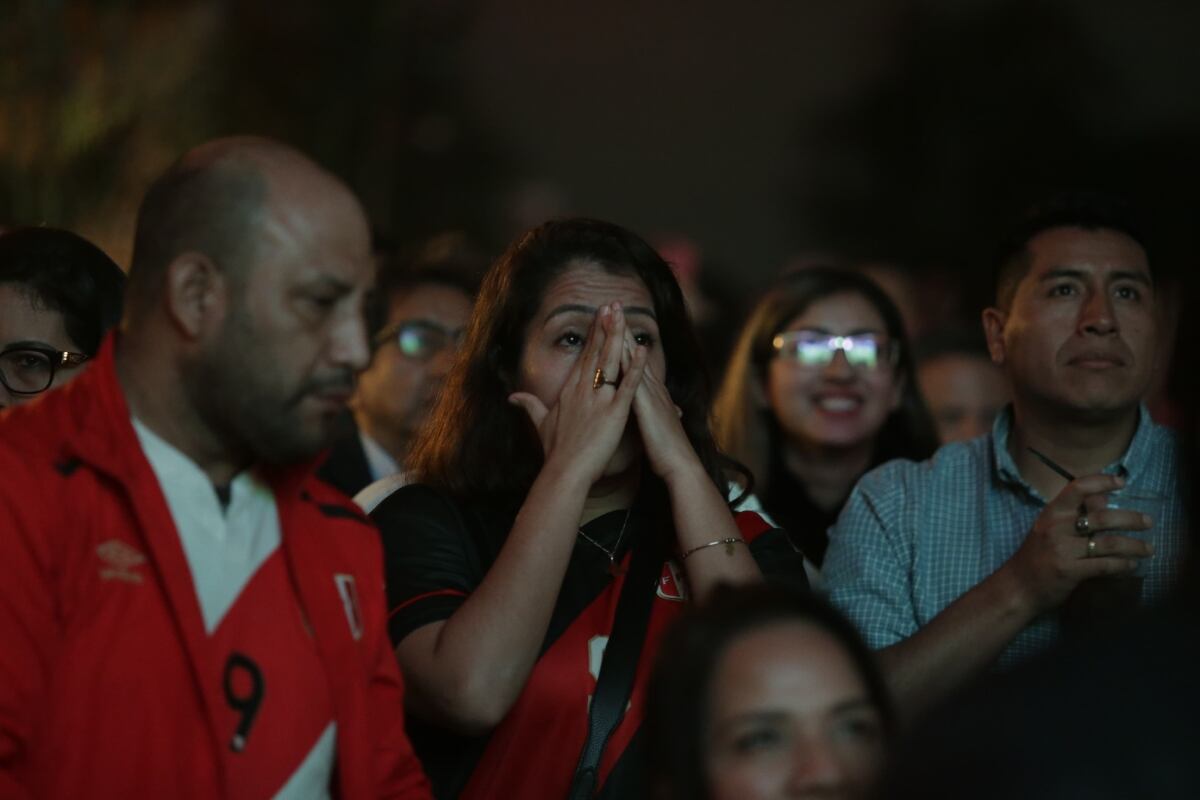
{"points": [[615, 682]]}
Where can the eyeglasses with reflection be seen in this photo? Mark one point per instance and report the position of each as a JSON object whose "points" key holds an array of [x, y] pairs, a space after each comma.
{"points": [[863, 351], [31, 370], [420, 339]]}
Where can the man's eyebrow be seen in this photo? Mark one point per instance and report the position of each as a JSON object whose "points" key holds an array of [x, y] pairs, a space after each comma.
{"points": [[1062, 272], [1078, 274], [325, 281], [577, 308], [1130, 275], [28, 344]]}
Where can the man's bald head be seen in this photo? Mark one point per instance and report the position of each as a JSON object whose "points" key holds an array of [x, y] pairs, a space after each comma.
{"points": [[216, 201], [250, 272]]}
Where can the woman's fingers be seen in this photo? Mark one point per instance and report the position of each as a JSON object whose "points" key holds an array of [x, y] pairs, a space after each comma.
{"points": [[628, 346], [533, 407], [614, 342], [659, 421], [631, 381], [657, 389], [649, 401], [589, 357]]}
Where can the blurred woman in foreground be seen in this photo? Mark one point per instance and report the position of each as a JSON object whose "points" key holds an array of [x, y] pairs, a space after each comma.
{"points": [[765, 693]]}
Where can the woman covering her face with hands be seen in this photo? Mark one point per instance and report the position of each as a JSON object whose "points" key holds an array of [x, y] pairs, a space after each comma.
{"points": [[571, 436]]}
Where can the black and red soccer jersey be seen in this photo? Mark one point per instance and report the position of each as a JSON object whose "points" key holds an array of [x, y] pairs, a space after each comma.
{"points": [[437, 553]]}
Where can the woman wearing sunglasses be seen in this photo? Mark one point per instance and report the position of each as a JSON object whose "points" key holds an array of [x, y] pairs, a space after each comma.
{"points": [[820, 389]]}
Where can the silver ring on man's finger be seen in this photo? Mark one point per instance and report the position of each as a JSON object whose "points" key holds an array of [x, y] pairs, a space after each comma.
{"points": [[1083, 525], [1091, 551]]}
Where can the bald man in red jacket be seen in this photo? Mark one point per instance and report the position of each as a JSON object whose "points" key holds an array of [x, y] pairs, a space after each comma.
{"points": [[186, 611]]}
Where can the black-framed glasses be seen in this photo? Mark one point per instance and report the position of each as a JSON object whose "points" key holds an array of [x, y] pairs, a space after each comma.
{"points": [[865, 351], [420, 339], [31, 370]]}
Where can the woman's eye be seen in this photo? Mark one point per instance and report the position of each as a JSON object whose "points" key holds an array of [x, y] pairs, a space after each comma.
{"points": [[644, 339], [570, 339], [857, 728], [755, 740], [322, 302]]}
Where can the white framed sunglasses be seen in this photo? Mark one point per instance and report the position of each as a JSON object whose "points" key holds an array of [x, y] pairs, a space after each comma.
{"points": [[864, 351]]}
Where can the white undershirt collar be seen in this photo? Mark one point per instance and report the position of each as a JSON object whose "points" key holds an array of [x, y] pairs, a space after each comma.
{"points": [[224, 547]]}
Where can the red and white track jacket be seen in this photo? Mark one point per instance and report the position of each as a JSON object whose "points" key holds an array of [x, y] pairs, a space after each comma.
{"points": [[106, 685]]}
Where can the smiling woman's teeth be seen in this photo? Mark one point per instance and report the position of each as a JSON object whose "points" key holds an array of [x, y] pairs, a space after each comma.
{"points": [[838, 403]]}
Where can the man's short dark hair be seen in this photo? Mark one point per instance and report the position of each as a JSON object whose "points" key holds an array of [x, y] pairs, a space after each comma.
{"points": [[208, 206], [450, 260], [66, 273], [1087, 210]]}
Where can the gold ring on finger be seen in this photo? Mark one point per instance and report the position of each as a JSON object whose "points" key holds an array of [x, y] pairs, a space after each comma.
{"points": [[1091, 551], [1083, 525], [600, 379]]}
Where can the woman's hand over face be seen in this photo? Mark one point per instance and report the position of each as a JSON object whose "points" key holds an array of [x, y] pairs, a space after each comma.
{"points": [[581, 431], [667, 447]]}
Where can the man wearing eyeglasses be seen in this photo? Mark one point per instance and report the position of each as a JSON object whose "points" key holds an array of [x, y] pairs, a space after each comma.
{"points": [[185, 611], [420, 309], [59, 294], [1067, 516]]}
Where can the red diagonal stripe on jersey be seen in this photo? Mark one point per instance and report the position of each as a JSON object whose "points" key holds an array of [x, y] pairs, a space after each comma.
{"points": [[418, 598]]}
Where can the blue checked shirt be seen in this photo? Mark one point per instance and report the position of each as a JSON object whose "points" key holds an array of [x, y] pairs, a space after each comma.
{"points": [[915, 537]]}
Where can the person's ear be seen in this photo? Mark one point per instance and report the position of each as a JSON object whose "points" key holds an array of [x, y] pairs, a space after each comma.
{"points": [[195, 294], [994, 321]]}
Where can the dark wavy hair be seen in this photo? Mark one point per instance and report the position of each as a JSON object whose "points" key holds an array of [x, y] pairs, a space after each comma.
{"points": [[678, 699], [746, 430], [66, 273], [475, 445]]}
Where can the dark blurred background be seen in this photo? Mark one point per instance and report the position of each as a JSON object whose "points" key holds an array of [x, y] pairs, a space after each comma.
{"points": [[746, 137]]}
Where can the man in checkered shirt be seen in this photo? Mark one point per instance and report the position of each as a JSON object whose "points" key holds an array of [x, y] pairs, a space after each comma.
{"points": [[987, 552]]}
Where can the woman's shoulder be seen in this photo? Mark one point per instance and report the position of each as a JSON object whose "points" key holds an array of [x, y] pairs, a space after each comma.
{"points": [[419, 511], [414, 498]]}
